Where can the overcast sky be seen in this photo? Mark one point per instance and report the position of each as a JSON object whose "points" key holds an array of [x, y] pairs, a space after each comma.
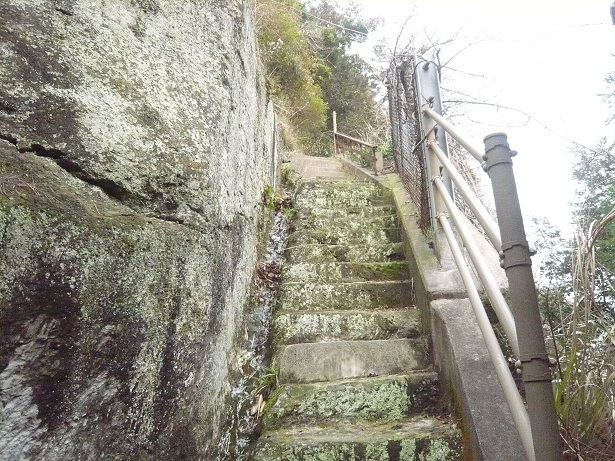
{"points": [[547, 58]]}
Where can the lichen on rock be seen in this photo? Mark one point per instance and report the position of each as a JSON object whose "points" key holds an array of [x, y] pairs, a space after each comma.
{"points": [[133, 153]]}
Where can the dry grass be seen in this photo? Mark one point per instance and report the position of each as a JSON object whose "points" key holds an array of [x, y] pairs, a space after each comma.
{"points": [[9, 182], [585, 340]]}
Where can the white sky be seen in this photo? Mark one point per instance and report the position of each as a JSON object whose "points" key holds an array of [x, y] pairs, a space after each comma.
{"points": [[547, 58]]}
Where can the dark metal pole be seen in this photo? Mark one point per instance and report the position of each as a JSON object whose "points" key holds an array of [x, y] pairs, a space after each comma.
{"points": [[517, 263]]}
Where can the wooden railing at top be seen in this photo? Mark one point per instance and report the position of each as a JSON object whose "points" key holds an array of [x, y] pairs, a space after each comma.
{"points": [[376, 158]]}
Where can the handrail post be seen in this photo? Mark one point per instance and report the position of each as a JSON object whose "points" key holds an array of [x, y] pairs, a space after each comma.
{"points": [[524, 300]]}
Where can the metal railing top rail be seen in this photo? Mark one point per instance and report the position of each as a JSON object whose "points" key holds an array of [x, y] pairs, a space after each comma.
{"points": [[341, 138], [355, 140], [450, 129]]}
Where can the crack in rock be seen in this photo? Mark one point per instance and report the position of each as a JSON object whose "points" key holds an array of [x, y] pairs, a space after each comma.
{"points": [[109, 187]]}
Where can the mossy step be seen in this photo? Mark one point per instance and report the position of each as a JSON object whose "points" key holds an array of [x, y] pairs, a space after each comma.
{"points": [[348, 213], [343, 235], [317, 204], [308, 327], [415, 439], [382, 399], [346, 272], [340, 189], [344, 296], [330, 361], [317, 253], [327, 221]]}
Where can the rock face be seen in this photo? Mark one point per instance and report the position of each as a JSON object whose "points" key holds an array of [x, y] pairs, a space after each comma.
{"points": [[136, 144]]}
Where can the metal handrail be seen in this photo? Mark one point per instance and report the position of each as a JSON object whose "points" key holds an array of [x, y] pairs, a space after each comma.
{"points": [[499, 304], [355, 140], [479, 210], [450, 129], [376, 156], [513, 399], [537, 425]]}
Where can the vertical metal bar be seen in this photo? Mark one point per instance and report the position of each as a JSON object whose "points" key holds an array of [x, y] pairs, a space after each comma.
{"points": [[524, 300], [378, 160], [426, 124], [334, 115], [428, 94]]}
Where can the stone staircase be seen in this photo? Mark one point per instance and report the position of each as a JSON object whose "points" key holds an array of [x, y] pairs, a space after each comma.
{"points": [[355, 381]]}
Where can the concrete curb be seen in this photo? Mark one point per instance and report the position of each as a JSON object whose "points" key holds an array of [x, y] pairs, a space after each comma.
{"points": [[460, 354], [463, 363]]}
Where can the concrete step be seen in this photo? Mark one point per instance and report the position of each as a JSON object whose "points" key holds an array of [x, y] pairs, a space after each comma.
{"points": [[359, 213], [318, 205], [344, 235], [414, 439], [307, 327], [382, 399], [330, 361], [315, 253], [346, 221], [345, 272], [343, 296], [338, 191]]}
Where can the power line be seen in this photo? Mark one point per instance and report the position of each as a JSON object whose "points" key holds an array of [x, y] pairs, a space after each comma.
{"points": [[339, 26]]}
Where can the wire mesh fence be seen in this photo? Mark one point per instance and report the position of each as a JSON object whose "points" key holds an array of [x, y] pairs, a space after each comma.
{"points": [[406, 135]]}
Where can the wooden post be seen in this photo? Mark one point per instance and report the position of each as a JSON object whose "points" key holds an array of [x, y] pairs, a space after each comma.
{"points": [[335, 133], [378, 161]]}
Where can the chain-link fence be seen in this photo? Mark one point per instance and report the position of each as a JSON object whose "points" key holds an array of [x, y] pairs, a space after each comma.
{"points": [[407, 136]]}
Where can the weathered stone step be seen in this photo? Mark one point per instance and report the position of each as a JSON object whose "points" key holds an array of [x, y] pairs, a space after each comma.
{"points": [[346, 272], [319, 184], [314, 362], [307, 327], [343, 296], [345, 221], [356, 213], [415, 439], [383, 399], [318, 205], [339, 190], [344, 235], [316, 253]]}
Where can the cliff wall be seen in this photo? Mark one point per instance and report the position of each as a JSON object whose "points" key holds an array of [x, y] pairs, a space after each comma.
{"points": [[136, 141]]}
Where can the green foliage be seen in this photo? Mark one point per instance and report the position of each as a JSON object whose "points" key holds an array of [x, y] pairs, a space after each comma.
{"points": [[290, 178], [291, 68], [267, 379], [595, 173], [386, 149], [579, 305], [311, 73], [272, 199], [346, 79]]}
